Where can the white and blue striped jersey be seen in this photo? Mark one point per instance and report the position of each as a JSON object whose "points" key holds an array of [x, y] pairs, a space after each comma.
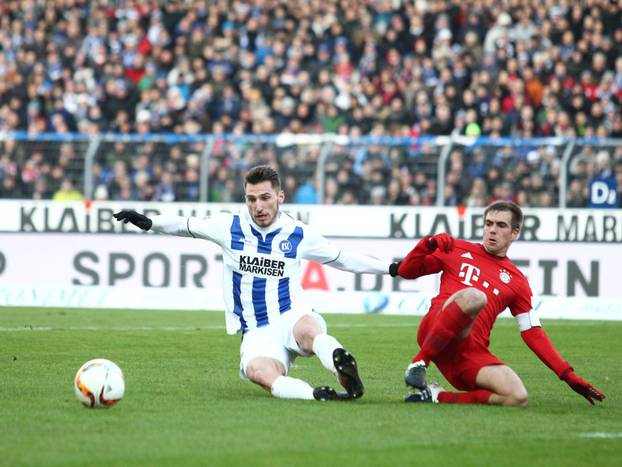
{"points": [[262, 266]]}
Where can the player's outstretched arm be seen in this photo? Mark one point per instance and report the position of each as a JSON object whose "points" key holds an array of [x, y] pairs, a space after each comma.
{"points": [[317, 248], [172, 225], [537, 340], [356, 262], [139, 220], [419, 261]]}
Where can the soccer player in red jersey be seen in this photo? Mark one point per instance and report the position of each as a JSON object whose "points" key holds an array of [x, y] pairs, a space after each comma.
{"points": [[478, 282]]}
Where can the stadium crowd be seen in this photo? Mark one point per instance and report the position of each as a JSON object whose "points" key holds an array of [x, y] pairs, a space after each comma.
{"points": [[521, 68]]}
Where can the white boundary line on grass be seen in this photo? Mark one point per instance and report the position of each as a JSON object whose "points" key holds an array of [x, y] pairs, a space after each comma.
{"points": [[201, 328], [108, 328], [175, 328], [600, 434]]}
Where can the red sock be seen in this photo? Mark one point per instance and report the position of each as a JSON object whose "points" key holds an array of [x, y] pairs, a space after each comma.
{"points": [[481, 396], [449, 324]]}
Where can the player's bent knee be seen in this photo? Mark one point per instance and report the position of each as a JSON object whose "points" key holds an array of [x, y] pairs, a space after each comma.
{"points": [[263, 373], [305, 337], [472, 299], [518, 399], [305, 332]]}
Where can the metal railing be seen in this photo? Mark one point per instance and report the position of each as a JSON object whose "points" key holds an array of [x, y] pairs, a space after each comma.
{"points": [[310, 157]]}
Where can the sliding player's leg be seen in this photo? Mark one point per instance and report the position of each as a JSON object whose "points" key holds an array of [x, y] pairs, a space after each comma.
{"points": [[480, 377], [265, 362], [496, 385], [454, 321], [270, 375], [506, 386], [309, 335], [484, 378]]}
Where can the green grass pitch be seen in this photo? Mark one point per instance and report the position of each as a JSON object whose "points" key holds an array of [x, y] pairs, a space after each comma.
{"points": [[185, 404]]}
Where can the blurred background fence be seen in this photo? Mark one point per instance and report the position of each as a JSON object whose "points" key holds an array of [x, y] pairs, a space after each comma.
{"points": [[316, 169]]}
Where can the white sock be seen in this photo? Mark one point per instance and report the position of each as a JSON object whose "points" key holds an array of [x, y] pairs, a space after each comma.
{"points": [[324, 346], [285, 387]]}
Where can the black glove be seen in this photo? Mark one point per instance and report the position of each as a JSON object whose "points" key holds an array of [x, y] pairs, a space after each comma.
{"points": [[135, 218], [580, 386], [393, 268]]}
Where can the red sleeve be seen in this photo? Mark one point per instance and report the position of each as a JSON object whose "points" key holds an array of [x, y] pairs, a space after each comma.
{"points": [[522, 299], [540, 344], [419, 262]]}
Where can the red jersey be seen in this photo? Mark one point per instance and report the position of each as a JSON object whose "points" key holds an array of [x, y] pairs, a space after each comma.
{"points": [[470, 265]]}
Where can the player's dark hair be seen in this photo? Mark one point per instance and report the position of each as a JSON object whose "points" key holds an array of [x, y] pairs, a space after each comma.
{"points": [[263, 173], [507, 206]]}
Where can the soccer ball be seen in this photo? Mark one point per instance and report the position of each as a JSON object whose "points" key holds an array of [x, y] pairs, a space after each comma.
{"points": [[99, 383]]}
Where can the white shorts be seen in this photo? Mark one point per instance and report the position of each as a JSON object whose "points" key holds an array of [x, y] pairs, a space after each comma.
{"points": [[276, 340]]}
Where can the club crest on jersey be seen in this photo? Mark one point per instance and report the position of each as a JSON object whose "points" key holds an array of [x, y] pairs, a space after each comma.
{"points": [[505, 276], [285, 246]]}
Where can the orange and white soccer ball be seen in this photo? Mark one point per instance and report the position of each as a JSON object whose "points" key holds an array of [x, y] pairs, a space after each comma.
{"points": [[99, 383]]}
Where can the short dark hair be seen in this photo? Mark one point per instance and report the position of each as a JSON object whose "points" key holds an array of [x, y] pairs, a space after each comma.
{"points": [[263, 173], [507, 206]]}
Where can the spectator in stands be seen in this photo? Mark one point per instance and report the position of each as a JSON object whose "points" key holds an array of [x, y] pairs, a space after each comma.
{"points": [[67, 192], [618, 178], [401, 68], [306, 193], [165, 189], [9, 189], [576, 194]]}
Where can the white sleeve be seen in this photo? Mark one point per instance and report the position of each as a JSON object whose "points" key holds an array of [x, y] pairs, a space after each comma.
{"points": [[356, 262], [208, 228], [319, 249], [171, 225]]}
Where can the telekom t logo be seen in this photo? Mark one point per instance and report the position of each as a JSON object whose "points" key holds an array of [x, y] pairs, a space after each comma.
{"points": [[469, 272]]}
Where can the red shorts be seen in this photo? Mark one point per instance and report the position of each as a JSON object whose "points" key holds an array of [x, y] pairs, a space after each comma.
{"points": [[462, 359]]}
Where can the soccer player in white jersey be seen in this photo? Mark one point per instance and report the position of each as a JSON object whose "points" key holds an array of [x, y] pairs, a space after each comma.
{"points": [[262, 252]]}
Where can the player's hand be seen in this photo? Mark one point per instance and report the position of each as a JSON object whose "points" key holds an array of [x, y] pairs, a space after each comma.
{"points": [[580, 386], [139, 220], [442, 241], [412, 266]]}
